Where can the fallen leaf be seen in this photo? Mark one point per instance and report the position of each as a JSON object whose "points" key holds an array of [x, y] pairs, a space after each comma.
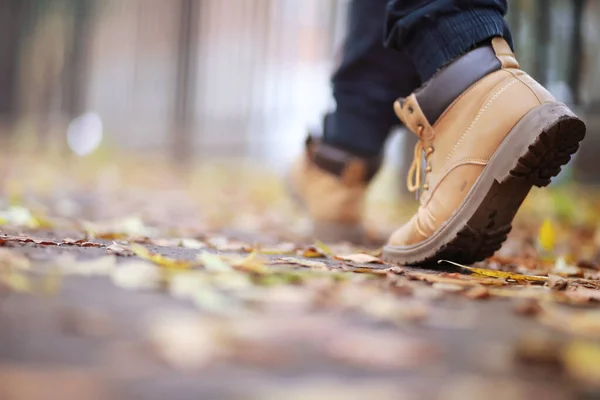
{"points": [[301, 262], [582, 361], [323, 248], [251, 264], [360, 258], [119, 250], [547, 236], [556, 282], [312, 252], [499, 274], [80, 243]]}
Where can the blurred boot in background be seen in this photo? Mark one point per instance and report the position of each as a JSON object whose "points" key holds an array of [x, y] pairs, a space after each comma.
{"points": [[331, 178]]}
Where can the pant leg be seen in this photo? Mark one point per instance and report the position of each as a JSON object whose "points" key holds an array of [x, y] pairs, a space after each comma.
{"points": [[434, 32], [367, 81]]}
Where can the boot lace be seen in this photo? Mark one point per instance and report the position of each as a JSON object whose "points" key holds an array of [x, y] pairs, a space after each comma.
{"points": [[417, 180]]}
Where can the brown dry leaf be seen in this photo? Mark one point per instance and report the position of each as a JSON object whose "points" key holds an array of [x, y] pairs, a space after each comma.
{"points": [[582, 362], [301, 262], [500, 274], [80, 243], [27, 239], [360, 258], [311, 252], [159, 259], [119, 250], [556, 282]]}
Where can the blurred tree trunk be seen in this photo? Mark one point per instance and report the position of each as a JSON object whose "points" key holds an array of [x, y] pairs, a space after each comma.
{"points": [[76, 67], [542, 35], [12, 15], [576, 51], [182, 139]]}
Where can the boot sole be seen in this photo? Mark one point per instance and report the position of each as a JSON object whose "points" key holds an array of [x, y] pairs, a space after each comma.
{"points": [[545, 138]]}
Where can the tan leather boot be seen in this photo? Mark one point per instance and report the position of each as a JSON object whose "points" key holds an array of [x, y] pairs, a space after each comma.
{"points": [[331, 184], [488, 133]]}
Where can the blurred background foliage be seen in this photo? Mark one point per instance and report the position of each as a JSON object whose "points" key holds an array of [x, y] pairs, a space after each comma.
{"points": [[191, 80]]}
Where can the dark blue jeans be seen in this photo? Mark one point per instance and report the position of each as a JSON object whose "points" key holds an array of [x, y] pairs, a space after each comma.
{"points": [[380, 65]]}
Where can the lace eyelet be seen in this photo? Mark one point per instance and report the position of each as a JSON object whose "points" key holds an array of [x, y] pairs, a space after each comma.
{"points": [[411, 109]]}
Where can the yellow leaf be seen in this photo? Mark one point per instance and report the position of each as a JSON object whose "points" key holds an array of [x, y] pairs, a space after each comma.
{"points": [[582, 361], [250, 264], [311, 252], [547, 236], [159, 259], [323, 247], [499, 274]]}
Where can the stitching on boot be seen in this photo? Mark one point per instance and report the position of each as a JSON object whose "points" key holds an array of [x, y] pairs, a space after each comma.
{"points": [[478, 116]]}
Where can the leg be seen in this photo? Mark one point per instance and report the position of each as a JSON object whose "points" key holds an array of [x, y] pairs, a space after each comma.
{"points": [[488, 132], [433, 33], [331, 177], [368, 79]]}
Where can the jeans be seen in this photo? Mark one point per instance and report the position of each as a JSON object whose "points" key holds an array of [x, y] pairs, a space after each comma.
{"points": [[382, 62]]}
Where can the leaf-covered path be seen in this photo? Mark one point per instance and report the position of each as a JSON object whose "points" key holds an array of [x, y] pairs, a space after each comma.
{"points": [[236, 323], [132, 282]]}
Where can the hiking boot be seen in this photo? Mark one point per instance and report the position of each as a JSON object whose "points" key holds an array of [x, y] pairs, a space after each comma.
{"points": [[488, 133], [331, 184]]}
